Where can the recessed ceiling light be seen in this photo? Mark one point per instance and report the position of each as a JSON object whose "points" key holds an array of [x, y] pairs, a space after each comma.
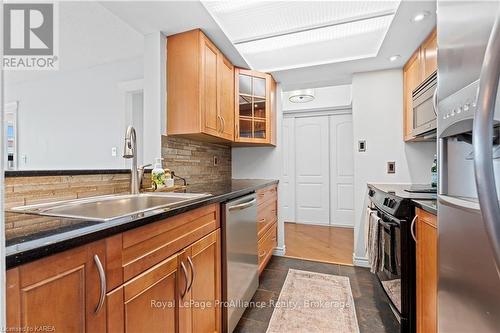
{"points": [[420, 16], [394, 57]]}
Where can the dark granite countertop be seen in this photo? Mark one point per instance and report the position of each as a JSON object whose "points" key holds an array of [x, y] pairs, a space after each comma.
{"points": [[44, 236], [400, 190], [429, 206]]}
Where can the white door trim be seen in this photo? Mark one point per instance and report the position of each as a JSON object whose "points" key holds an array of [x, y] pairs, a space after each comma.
{"points": [[291, 115], [346, 109]]}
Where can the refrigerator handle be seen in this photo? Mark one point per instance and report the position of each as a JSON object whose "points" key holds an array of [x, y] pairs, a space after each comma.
{"points": [[482, 140]]}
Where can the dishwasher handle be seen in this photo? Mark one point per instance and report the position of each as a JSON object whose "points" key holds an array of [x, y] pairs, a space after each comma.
{"points": [[243, 205]]}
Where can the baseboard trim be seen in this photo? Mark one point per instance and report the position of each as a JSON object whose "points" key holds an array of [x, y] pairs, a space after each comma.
{"points": [[338, 225], [279, 251], [360, 261]]}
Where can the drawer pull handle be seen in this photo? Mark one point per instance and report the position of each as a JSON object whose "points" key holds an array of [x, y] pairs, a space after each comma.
{"points": [[184, 270], [102, 283], [261, 254], [192, 273]]}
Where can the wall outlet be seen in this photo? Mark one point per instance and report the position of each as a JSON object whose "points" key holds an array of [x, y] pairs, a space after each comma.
{"points": [[362, 146], [216, 161], [113, 151], [391, 167]]}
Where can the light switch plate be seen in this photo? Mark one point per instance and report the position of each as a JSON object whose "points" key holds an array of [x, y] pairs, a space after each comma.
{"points": [[362, 146], [391, 167]]}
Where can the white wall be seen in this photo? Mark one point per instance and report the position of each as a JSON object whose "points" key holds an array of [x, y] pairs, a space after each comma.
{"points": [[378, 119], [155, 92], [72, 119]]}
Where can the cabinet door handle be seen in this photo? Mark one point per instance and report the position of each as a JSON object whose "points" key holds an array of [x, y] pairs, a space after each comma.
{"points": [[261, 254], [184, 270], [102, 283], [218, 123], [412, 228], [262, 220], [192, 273], [223, 124]]}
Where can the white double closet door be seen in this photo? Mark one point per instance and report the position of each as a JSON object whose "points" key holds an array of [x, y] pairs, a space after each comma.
{"points": [[318, 170]]}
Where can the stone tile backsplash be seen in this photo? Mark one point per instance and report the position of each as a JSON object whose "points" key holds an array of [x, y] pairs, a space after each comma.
{"points": [[21, 191], [194, 160]]}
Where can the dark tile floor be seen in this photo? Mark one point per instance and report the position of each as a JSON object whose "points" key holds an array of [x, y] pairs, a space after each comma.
{"points": [[372, 308]]}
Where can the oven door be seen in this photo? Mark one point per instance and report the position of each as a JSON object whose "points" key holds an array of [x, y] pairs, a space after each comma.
{"points": [[390, 275], [424, 114]]}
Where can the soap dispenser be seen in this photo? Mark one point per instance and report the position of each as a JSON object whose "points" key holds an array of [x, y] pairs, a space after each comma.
{"points": [[158, 174]]}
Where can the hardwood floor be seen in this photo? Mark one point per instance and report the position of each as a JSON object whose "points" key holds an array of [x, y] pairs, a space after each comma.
{"points": [[319, 243]]}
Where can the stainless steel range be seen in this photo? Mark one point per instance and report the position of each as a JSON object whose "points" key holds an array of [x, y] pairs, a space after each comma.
{"points": [[393, 205]]}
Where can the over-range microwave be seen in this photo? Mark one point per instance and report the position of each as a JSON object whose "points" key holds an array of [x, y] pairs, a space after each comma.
{"points": [[424, 110]]}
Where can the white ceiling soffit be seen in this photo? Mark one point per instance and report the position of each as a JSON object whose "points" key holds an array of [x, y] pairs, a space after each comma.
{"points": [[308, 32]]}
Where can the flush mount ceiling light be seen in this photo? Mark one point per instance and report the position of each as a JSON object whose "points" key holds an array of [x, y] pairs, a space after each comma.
{"points": [[301, 96], [420, 16], [394, 57], [279, 35]]}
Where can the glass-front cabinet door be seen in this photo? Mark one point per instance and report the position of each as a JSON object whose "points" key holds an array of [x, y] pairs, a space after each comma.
{"points": [[254, 110]]}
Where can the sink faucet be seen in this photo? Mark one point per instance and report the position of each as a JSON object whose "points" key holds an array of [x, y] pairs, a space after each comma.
{"points": [[130, 151]]}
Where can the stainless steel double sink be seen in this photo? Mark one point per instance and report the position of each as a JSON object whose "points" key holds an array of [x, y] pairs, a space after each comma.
{"points": [[111, 207]]}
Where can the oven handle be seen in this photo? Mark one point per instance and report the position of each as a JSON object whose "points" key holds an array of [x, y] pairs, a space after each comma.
{"points": [[387, 224]]}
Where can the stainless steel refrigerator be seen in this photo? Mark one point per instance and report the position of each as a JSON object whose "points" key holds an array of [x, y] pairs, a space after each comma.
{"points": [[468, 110]]}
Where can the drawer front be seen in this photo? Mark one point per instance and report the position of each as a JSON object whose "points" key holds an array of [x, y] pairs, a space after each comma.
{"points": [[266, 194], [266, 216], [266, 246], [146, 246], [427, 217]]}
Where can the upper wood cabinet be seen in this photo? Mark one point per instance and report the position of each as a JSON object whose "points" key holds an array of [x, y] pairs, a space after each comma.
{"points": [[426, 254], [417, 69], [255, 107], [200, 88], [61, 291], [428, 54]]}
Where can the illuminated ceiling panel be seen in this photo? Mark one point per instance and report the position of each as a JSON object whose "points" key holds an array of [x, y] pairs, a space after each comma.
{"points": [[278, 35]]}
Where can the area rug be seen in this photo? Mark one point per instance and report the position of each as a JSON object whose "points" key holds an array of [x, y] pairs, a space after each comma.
{"points": [[314, 302]]}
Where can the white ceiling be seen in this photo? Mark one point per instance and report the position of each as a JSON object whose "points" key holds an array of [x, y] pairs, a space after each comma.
{"points": [[89, 35], [171, 17]]}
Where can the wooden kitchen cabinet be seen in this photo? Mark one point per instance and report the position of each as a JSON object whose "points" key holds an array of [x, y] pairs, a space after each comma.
{"points": [[255, 108], [148, 302], [200, 312], [426, 258], [428, 53], [200, 88], [60, 292], [150, 271], [267, 221], [411, 79], [421, 65]]}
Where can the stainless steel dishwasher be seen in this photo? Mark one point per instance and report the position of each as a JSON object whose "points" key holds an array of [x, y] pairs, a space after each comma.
{"points": [[240, 258]]}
